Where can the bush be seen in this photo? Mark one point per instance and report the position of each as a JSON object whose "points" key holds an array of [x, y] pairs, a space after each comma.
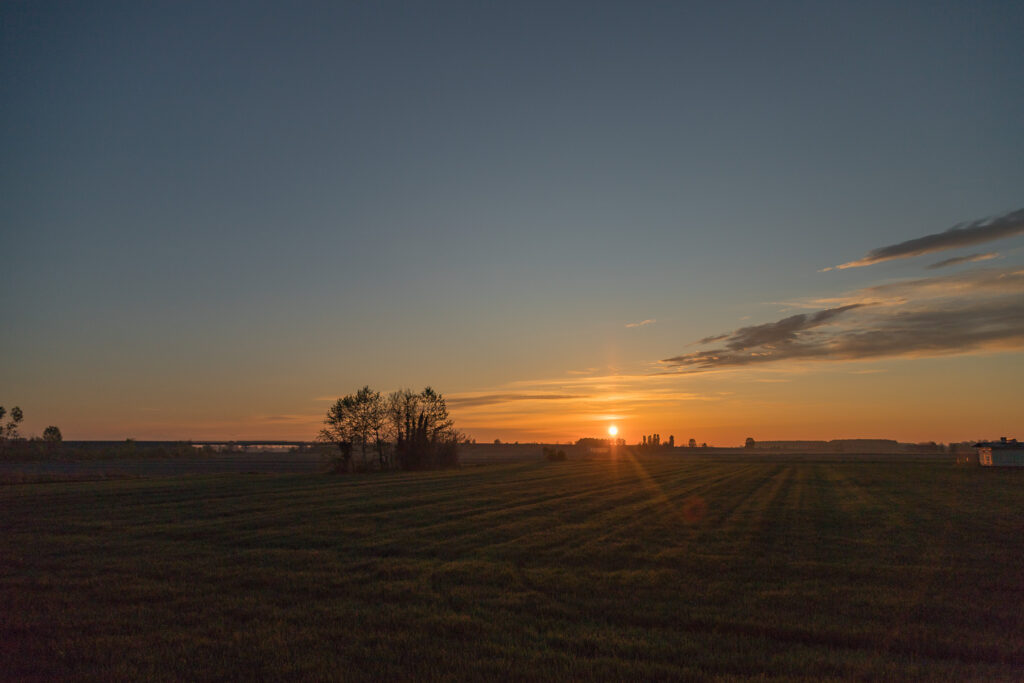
{"points": [[552, 455]]}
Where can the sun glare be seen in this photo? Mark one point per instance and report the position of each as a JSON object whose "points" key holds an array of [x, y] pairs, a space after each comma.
{"points": [[613, 430]]}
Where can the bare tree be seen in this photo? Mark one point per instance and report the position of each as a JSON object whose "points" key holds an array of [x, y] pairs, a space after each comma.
{"points": [[362, 419], [425, 435], [10, 430], [412, 431], [401, 412], [338, 430], [377, 419], [371, 424]]}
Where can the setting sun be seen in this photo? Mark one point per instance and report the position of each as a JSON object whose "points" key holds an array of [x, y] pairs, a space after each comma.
{"points": [[613, 430]]}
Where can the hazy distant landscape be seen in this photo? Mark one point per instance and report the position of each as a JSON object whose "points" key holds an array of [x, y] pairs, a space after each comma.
{"points": [[627, 567]]}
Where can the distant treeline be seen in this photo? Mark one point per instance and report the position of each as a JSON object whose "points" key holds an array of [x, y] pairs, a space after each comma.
{"points": [[14, 445], [848, 446], [37, 449], [653, 442]]}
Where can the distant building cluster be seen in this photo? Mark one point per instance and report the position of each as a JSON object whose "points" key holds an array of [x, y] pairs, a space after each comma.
{"points": [[654, 441]]}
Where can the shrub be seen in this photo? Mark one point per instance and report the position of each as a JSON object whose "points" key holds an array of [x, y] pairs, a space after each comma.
{"points": [[554, 455]]}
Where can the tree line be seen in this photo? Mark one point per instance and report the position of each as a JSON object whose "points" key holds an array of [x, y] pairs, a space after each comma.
{"points": [[403, 430], [10, 434]]}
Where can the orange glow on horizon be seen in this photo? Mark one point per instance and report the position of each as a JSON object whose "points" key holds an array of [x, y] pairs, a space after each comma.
{"points": [[909, 402]]}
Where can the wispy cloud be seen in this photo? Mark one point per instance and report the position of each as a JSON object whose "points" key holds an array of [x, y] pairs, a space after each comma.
{"points": [[957, 260], [961, 235], [557, 406], [648, 321], [964, 313], [591, 384], [467, 401], [970, 283], [288, 419]]}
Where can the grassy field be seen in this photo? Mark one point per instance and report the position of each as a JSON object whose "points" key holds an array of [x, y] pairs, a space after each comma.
{"points": [[629, 568]]}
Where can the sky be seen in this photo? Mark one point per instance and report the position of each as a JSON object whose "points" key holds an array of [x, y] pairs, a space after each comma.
{"points": [[712, 220]]}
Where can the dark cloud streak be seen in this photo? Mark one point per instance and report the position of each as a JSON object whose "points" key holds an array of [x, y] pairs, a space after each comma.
{"points": [[957, 260], [780, 332], [986, 313], [962, 235], [928, 331]]}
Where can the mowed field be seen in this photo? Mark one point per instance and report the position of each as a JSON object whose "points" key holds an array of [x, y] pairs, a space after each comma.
{"points": [[613, 568]]}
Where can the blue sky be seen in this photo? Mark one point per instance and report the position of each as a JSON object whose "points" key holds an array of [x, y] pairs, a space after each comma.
{"points": [[215, 215]]}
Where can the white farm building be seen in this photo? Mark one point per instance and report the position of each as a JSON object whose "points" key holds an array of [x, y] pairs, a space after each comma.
{"points": [[1000, 453]]}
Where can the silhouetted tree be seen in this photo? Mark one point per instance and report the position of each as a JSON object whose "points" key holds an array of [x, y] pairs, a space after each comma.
{"points": [[52, 439], [10, 430], [410, 430], [340, 429], [692, 443], [368, 421], [749, 443], [377, 419], [425, 436], [359, 419]]}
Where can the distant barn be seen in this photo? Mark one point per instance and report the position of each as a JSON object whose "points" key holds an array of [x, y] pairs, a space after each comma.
{"points": [[1000, 453]]}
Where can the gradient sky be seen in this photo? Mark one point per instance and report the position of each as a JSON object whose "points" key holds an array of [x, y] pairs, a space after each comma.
{"points": [[217, 216]]}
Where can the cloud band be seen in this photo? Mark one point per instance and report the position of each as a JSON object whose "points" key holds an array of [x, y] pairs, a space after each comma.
{"points": [[962, 235]]}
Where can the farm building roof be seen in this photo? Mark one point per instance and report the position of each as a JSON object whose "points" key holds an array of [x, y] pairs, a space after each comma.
{"points": [[1002, 443]]}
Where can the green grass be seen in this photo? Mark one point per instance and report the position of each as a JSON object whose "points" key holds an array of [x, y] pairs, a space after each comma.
{"points": [[662, 567]]}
